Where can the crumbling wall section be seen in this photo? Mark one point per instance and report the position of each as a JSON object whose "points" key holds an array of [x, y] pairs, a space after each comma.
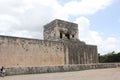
{"points": [[22, 52]]}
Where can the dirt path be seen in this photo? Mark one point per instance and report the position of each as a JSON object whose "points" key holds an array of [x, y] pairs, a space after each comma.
{"points": [[98, 74]]}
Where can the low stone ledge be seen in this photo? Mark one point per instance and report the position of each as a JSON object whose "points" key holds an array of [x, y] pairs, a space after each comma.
{"points": [[50, 69]]}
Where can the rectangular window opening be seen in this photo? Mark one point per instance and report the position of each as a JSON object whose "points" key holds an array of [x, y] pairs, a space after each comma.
{"points": [[73, 36], [67, 35], [61, 35]]}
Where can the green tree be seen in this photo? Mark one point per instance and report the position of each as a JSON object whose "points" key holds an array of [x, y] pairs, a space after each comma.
{"points": [[111, 57]]}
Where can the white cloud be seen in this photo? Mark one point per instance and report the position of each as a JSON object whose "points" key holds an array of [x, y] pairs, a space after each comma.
{"points": [[110, 44], [31, 15], [27, 34], [92, 37], [85, 7], [25, 18], [27, 15], [85, 34], [6, 23]]}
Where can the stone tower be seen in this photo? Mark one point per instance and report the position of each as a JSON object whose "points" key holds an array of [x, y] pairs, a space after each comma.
{"points": [[78, 52], [60, 30]]}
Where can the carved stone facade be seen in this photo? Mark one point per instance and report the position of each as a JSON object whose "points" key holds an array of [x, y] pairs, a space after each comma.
{"points": [[60, 46]]}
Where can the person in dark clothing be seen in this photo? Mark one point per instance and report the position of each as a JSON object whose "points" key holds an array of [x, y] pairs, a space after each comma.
{"points": [[2, 71]]}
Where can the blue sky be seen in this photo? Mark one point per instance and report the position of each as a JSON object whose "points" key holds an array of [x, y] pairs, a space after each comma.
{"points": [[107, 21], [98, 20]]}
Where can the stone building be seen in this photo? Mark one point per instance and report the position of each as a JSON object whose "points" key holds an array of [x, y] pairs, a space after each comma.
{"points": [[60, 46]]}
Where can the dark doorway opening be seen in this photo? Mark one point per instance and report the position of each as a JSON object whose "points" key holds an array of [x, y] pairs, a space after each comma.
{"points": [[73, 36], [61, 35], [67, 35]]}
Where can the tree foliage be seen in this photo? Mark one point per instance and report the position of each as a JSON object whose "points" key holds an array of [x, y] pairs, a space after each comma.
{"points": [[110, 58]]}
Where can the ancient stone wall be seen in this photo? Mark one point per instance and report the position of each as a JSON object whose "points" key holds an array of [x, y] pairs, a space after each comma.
{"points": [[81, 53], [50, 69], [21, 52], [60, 47], [67, 32], [49, 31], [60, 30]]}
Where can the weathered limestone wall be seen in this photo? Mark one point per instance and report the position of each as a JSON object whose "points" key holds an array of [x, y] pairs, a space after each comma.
{"points": [[49, 31], [80, 53], [60, 46], [60, 30], [49, 69], [21, 52], [67, 32]]}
